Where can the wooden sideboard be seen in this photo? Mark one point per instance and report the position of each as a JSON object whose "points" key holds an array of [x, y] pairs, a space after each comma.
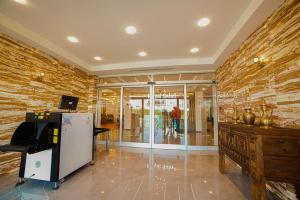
{"points": [[263, 153]]}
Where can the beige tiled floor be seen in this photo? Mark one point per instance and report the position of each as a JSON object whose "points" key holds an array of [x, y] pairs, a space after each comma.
{"points": [[137, 173]]}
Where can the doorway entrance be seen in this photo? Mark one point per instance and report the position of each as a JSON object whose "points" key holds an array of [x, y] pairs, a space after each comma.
{"points": [[168, 116]]}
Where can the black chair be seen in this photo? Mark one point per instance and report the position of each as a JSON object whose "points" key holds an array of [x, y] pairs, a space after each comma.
{"points": [[102, 130]]}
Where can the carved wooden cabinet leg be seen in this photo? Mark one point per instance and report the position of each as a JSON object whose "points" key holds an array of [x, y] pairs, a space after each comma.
{"points": [[297, 187], [244, 171], [222, 162], [258, 189]]}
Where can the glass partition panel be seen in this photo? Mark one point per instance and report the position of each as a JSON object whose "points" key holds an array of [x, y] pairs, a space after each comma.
{"points": [[136, 114], [200, 115], [109, 112]]}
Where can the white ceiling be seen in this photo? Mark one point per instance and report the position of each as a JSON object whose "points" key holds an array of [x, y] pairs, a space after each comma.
{"points": [[167, 30]]}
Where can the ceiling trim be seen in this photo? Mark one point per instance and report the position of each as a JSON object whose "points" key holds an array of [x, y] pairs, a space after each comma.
{"points": [[154, 63], [141, 84], [253, 17], [237, 27], [157, 73], [43, 43]]}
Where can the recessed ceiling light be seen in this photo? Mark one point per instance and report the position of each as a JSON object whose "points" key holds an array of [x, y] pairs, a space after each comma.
{"points": [[98, 58], [203, 22], [73, 39], [142, 54], [131, 30], [21, 1], [194, 50]]}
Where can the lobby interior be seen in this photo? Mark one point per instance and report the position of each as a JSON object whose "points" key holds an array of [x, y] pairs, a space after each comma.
{"points": [[198, 99]]}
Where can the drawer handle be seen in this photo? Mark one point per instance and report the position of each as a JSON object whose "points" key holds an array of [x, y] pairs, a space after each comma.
{"points": [[281, 141]]}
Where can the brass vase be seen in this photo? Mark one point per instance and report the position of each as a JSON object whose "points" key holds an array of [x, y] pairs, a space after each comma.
{"points": [[266, 115], [235, 116], [248, 116]]}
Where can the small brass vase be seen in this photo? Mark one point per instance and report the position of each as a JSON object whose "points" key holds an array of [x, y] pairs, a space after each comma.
{"points": [[235, 116], [248, 117], [266, 115]]}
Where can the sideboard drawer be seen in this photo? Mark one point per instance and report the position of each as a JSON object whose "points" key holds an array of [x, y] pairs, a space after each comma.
{"points": [[281, 168], [281, 147]]}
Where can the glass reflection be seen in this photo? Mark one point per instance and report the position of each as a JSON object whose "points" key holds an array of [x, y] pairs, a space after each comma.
{"points": [[200, 115], [169, 115], [136, 114], [110, 112]]}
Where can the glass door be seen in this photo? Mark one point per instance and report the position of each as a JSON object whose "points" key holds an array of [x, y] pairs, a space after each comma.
{"points": [[200, 115], [169, 117], [181, 116], [135, 126], [201, 111], [108, 112]]}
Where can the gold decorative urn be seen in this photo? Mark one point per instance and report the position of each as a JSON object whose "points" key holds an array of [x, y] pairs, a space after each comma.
{"points": [[266, 115], [248, 116]]}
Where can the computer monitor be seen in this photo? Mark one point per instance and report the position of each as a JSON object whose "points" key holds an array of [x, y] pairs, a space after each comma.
{"points": [[68, 102]]}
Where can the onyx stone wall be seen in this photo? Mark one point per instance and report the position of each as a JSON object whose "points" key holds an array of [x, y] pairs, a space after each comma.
{"points": [[246, 84], [21, 90], [243, 83]]}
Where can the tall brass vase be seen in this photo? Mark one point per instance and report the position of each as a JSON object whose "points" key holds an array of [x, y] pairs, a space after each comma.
{"points": [[235, 116], [266, 116]]}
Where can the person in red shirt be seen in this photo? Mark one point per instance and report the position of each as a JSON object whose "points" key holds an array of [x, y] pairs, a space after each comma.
{"points": [[176, 116]]}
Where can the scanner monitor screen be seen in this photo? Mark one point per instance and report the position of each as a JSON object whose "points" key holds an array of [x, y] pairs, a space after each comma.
{"points": [[68, 102]]}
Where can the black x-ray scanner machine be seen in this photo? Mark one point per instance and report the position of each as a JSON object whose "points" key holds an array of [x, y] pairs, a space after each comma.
{"points": [[53, 145]]}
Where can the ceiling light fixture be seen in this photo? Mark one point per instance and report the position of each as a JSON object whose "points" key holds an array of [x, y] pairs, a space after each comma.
{"points": [[142, 54], [98, 58], [73, 39], [21, 1], [194, 50], [131, 30], [203, 22]]}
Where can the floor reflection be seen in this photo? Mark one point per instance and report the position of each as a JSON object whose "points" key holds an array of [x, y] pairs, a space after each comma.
{"points": [[138, 173], [33, 190], [169, 136]]}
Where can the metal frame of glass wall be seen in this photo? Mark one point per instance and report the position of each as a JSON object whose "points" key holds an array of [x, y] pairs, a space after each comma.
{"points": [[151, 87]]}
